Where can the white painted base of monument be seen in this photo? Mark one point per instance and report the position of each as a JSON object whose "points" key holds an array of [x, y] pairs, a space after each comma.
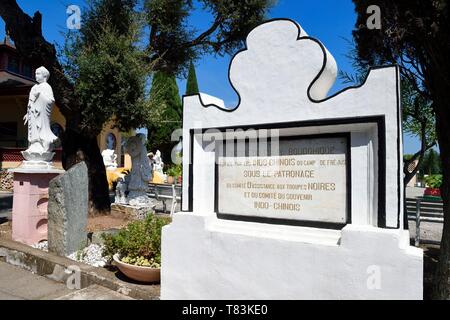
{"points": [[207, 258]]}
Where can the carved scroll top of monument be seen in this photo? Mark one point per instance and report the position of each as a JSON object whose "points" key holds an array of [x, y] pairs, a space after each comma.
{"points": [[280, 63]]}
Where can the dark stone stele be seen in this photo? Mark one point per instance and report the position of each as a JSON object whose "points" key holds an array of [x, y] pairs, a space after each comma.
{"points": [[68, 211]]}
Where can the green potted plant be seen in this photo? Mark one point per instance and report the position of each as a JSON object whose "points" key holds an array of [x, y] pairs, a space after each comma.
{"points": [[174, 173], [136, 250], [433, 183]]}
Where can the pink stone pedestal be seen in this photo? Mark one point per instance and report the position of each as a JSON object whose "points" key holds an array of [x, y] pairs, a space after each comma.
{"points": [[29, 219]]}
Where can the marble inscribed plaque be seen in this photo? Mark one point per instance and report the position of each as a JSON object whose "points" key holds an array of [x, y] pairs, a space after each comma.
{"points": [[305, 181]]}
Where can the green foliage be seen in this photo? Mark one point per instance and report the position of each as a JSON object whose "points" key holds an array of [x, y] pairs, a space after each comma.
{"points": [[142, 262], [139, 243], [175, 42], [417, 111], [107, 67], [360, 69], [434, 181], [80, 255], [192, 83], [118, 13], [165, 114], [431, 163], [418, 115], [407, 157], [167, 21], [175, 170]]}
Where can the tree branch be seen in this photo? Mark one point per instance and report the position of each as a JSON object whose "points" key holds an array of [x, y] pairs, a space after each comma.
{"points": [[153, 31], [199, 40]]}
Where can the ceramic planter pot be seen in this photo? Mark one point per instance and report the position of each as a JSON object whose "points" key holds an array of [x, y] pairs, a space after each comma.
{"points": [[170, 180], [142, 274]]}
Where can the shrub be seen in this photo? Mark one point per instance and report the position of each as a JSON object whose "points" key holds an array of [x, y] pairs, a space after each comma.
{"points": [[175, 171], [139, 243], [434, 181]]}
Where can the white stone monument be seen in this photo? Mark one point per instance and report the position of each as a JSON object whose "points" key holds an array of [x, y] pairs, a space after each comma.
{"points": [[293, 194]]}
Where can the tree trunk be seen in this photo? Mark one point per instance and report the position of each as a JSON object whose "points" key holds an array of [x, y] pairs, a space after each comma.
{"points": [[76, 148], [441, 281]]}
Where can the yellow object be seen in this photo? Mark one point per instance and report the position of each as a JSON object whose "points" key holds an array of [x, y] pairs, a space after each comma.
{"points": [[157, 177], [114, 175], [127, 162]]}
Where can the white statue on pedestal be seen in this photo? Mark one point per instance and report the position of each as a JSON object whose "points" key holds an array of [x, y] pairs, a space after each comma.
{"points": [[159, 164], [109, 159], [137, 181], [40, 136]]}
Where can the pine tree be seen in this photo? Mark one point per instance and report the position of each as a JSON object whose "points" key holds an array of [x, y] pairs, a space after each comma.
{"points": [[192, 83], [166, 113]]}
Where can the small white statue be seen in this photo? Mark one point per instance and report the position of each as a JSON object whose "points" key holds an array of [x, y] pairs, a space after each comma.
{"points": [[121, 189], [109, 159], [40, 104], [141, 171], [158, 163]]}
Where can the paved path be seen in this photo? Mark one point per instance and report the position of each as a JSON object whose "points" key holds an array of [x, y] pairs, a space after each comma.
{"points": [[19, 284]]}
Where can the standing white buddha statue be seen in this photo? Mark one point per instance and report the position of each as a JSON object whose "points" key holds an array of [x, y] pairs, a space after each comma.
{"points": [[40, 136]]}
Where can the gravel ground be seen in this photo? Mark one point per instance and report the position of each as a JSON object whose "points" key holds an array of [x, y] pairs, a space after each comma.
{"points": [[43, 245], [91, 255]]}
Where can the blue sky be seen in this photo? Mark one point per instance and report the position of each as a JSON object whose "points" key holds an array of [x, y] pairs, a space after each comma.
{"points": [[330, 21]]}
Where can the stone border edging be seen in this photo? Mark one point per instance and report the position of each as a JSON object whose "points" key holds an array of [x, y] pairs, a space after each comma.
{"points": [[54, 267]]}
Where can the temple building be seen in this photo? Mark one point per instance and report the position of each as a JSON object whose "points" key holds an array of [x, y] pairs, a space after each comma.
{"points": [[16, 80]]}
